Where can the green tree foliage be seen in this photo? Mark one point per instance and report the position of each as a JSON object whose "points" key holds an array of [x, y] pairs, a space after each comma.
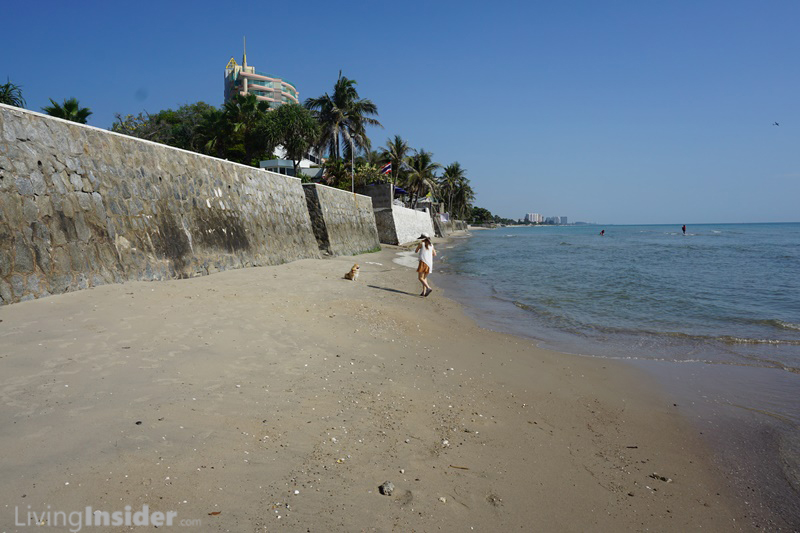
{"points": [[293, 127], [337, 173], [343, 117], [11, 94], [371, 157], [421, 177], [243, 131], [453, 177], [479, 215], [304, 178], [181, 128], [134, 125], [462, 199], [368, 169], [212, 127], [366, 173], [69, 110], [506, 221], [239, 132], [396, 152]]}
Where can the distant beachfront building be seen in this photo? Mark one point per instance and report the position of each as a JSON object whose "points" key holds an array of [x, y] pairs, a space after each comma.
{"points": [[563, 221], [533, 218], [243, 79]]}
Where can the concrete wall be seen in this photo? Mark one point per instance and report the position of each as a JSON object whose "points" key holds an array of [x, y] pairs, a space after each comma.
{"points": [[80, 206], [397, 224], [443, 229], [343, 222], [456, 225], [381, 194], [400, 225]]}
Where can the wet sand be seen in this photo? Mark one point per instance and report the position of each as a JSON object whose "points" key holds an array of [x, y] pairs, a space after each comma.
{"points": [[280, 398]]}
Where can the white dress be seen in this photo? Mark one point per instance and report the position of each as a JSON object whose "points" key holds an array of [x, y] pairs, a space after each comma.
{"points": [[426, 256]]}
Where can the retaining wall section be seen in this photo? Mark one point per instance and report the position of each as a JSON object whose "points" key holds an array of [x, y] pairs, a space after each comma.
{"points": [[81, 206], [449, 227], [343, 222], [381, 194], [400, 225]]}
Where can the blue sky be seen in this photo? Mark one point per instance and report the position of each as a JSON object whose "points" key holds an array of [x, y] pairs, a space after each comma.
{"points": [[615, 112]]}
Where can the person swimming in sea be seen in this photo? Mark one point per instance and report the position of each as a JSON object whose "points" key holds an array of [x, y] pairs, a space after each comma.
{"points": [[684, 229]]}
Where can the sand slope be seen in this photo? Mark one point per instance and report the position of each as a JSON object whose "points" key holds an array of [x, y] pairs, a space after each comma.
{"points": [[251, 385]]}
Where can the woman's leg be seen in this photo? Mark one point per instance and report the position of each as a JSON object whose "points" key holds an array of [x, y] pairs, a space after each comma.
{"points": [[421, 276], [424, 280]]}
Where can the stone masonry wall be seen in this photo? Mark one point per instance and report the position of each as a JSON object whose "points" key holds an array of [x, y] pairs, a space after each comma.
{"points": [[444, 229], [400, 225], [385, 224], [81, 206], [381, 194], [343, 222]]}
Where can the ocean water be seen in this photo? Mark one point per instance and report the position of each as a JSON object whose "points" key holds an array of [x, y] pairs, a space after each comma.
{"points": [[714, 314], [727, 293]]}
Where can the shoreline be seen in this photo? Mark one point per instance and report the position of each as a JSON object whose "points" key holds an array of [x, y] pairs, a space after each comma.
{"points": [[282, 397], [754, 448]]}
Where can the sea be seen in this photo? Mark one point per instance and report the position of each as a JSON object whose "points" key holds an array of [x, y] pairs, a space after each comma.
{"points": [[712, 314]]}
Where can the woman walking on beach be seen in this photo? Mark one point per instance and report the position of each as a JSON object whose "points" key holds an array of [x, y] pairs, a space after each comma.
{"points": [[426, 252]]}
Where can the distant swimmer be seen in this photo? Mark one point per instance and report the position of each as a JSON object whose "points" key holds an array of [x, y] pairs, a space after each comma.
{"points": [[684, 229], [602, 232]]}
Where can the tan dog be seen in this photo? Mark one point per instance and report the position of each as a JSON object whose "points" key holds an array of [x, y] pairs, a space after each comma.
{"points": [[353, 274]]}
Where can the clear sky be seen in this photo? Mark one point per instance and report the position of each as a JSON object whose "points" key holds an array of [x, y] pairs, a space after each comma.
{"points": [[615, 112]]}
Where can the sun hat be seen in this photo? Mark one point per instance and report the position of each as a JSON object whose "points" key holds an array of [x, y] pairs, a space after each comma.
{"points": [[424, 236]]}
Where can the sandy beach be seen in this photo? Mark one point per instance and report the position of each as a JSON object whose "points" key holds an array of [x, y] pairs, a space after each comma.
{"points": [[281, 398]]}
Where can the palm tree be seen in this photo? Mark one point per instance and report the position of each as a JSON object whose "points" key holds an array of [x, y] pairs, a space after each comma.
{"points": [[343, 118], [462, 199], [209, 131], [245, 118], [396, 152], [421, 177], [371, 157], [11, 94], [239, 132], [70, 110], [453, 176]]}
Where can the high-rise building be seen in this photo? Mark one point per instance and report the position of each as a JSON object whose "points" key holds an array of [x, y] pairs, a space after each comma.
{"points": [[244, 79]]}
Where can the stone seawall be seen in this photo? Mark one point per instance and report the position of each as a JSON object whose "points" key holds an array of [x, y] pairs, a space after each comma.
{"points": [[81, 206], [343, 222], [443, 229], [400, 225]]}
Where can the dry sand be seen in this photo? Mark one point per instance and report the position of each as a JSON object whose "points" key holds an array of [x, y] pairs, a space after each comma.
{"points": [[282, 397]]}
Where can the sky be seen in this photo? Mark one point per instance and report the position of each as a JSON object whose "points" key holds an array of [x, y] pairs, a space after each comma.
{"points": [[613, 112]]}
